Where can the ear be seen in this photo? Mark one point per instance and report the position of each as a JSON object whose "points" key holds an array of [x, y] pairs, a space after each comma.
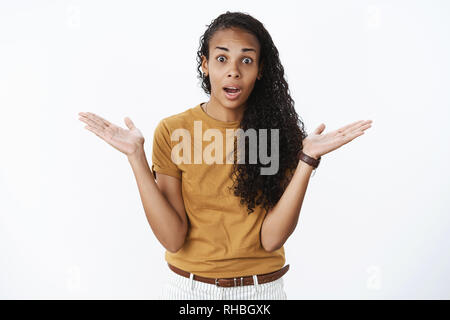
{"points": [[204, 65]]}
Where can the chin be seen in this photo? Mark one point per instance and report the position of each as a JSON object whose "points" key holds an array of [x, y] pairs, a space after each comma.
{"points": [[232, 104]]}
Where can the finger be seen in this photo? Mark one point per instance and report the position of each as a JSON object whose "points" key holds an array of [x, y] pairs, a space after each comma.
{"points": [[102, 122], [106, 122], [357, 126], [362, 127], [355, 129], [91, 123], [97, 132], [341, 140], [129, 123], [348, 126], [356, 133], [319, 129]]}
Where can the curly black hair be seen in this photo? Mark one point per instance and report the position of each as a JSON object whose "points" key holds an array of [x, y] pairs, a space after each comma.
{"points": [[268, 106]]}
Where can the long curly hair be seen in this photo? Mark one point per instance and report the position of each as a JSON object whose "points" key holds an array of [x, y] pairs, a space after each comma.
{"points": [[268, 106]]}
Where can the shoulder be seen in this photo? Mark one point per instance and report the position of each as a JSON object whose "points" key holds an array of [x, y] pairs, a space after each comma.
{"points": [[178, 120]]}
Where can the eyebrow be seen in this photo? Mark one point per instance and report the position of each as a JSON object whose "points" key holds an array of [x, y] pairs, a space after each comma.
{"points": [[243, 49]]}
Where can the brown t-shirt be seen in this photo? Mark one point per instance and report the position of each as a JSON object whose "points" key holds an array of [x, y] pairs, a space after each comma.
{"points": [[223, 240]]}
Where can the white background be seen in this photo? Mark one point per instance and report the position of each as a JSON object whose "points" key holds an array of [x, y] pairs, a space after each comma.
{"points": [[375, 220]]}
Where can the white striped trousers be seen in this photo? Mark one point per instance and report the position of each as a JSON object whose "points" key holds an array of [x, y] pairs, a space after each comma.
{"points": [[181, 288]]}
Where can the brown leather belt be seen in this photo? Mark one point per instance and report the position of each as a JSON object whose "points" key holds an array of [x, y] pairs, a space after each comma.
{"points": [[234, 282]]}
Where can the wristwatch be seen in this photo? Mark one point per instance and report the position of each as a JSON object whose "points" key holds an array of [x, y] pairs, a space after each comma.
{"points": [[309, 160]]}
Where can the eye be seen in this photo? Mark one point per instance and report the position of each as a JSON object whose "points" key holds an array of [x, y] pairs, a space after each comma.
{"points": [[250, 59]]}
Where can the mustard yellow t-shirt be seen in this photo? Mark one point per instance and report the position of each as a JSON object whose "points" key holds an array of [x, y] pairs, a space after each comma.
{"points": [[223, 241]]}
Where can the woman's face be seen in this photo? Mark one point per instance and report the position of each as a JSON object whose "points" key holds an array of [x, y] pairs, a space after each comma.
{"points": [[233, 62]]}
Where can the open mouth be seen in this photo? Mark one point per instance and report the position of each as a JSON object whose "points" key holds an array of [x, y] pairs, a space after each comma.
{"points": [[232, 93]]}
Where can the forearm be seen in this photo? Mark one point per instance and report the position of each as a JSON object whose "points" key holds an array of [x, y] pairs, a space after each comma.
{"points": [[165, 222], [281, 221]]}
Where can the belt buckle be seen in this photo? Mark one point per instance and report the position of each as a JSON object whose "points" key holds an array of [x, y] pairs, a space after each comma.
{"points": [[216, 282]]}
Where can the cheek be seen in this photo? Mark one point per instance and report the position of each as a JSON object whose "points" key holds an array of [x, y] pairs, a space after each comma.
{"points": [[214, 79], [250, 89]]}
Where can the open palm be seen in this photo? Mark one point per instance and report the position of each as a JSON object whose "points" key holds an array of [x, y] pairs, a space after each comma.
{"points": [[126, 141], [318, 144]]}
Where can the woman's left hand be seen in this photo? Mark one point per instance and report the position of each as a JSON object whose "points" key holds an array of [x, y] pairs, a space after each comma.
{"points": [[316, 144]]}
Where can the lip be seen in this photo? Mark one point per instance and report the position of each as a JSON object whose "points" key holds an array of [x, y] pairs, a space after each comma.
{"points": [[234, 85], [232, 96]]}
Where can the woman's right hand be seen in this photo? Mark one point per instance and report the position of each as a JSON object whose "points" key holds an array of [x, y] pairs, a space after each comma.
{"points": [[126, 141]]}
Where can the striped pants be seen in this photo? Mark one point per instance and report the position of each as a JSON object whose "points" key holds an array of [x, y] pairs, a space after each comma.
{"points": [[181, 288]]}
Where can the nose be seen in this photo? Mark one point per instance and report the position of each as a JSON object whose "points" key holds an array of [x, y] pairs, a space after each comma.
{"points": [[234, 72]]}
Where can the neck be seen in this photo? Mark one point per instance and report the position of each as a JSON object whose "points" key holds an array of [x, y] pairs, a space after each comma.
{"points": [[224, 113]]}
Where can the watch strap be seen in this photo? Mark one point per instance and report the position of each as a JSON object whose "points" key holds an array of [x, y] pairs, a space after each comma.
{"points": [[309, 160]]}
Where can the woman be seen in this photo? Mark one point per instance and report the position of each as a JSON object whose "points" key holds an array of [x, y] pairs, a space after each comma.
{"points": [[224, 223]]}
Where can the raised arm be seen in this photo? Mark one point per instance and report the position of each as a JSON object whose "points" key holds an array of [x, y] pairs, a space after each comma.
{"points": [[162, 202], [281, 220]]}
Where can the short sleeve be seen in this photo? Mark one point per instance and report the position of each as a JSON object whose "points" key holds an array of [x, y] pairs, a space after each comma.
{"points": [[161, 153]]}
